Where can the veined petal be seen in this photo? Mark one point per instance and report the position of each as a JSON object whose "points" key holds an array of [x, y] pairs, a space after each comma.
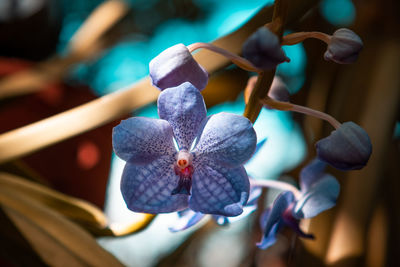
{"points": [[147, 188], [226, 138], [321, 196], [183, 107], [219, 190], [187, 218], [141, 140]]}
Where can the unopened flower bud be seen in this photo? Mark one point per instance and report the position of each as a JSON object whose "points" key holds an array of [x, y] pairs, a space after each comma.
{"points": [[263, 49], [278, 90], [174, 66], [347, 148], [344, 47]]}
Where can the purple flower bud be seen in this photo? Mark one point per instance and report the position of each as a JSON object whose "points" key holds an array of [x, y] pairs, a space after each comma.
{"points": [[278, 90], [344, 47], [347, 148], [263, 49], [175, 66]]}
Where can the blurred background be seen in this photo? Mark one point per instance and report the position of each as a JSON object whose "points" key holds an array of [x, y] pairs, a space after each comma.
{"points": [[58, 55]]}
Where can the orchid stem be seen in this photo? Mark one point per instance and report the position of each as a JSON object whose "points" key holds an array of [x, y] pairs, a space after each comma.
{"points": [[298, 37], [276, 185], [239, 61], [318, 114], [287, 106]]}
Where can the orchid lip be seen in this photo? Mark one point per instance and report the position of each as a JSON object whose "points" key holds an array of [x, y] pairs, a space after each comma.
{"points": [[184, 169]]}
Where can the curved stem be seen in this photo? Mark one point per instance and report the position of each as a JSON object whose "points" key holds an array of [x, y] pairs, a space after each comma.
{"points": [[287, 106], [298, 37], [239, 61], [276, 185], [315, 113]]}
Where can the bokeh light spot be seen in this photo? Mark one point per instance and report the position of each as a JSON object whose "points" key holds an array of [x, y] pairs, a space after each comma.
{"points": [[88, 155], [339, 13]]}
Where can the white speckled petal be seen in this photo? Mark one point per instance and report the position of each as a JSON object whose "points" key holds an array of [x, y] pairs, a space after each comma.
{"points": [[147, 188], [219, 190], [141, 140], [228, 139], [183, 107]]}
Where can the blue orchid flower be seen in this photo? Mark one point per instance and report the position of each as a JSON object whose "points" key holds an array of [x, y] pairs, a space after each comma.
{"points": [[206, 175], [319, 192]]}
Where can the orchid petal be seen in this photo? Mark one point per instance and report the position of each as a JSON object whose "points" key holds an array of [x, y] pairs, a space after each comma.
{"points": [[250, 207], [321, 196], [227, 139], [187, 218], [311, 173], [219, 190], [269, 238], [293, 223], [259, 146], [147, 188], [255, 193], [183, 107], [279, 206], [141, 140]]}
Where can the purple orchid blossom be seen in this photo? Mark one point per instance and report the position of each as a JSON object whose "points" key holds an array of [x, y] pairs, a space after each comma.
{"points": [[206, 174], [319, 192]]}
